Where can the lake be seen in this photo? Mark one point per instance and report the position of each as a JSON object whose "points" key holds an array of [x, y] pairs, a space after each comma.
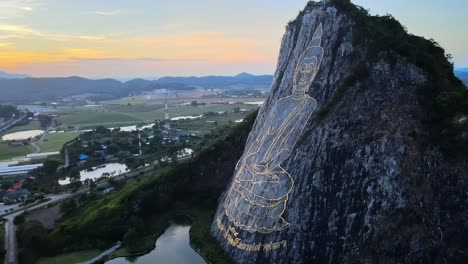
{"points": [[113, 169], [23, 135], [133, 128], [173, 246]]}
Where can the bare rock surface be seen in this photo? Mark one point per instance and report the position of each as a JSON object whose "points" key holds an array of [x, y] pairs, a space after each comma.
{"points": [[365, 185]]}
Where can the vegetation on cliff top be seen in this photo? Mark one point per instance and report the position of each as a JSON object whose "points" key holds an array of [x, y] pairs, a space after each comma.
{"points": [[445, 100]]}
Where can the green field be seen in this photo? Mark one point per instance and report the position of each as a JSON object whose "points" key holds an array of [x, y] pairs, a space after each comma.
{"points": [[30, 125], [75, 257], [205, 125], [7, 152], [93, 116], [120, 113], [114, 115], [55, 141]]}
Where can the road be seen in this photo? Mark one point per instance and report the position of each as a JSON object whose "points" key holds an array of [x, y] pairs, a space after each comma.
{"points": [[34, 144], [67, 158], [10, 228], [12, 123], [103, 254]]}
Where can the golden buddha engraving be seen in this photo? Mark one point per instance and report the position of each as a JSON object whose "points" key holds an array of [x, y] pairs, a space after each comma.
{"points": [[260, 191]]}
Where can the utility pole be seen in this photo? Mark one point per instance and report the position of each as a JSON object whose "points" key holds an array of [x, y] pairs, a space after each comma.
{"points": [[139, 142]]}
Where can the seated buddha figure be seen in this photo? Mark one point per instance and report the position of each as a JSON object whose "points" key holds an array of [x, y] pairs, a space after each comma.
{"points": [[260, 190]]}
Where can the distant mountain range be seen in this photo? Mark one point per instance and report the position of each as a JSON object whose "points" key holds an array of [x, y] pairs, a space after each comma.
{"points": [[47, 89], [462, 73], [4, 75], [220, 81]]}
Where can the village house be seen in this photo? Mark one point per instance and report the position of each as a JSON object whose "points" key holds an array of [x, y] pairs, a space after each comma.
{"points": [[16, 196]]}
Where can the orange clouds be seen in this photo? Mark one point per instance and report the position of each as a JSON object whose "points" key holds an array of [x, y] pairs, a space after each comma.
{"points": [[208, 46], [12, 57], [44, 53]]}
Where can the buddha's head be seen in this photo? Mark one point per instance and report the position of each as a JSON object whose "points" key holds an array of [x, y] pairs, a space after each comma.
{"points": [[308, 64]]}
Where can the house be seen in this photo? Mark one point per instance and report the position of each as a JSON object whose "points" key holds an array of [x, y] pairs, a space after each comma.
{"points": [[17, 143], [16, 196], [15, 187]]}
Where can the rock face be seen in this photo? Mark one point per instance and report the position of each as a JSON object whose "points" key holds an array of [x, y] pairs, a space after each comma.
{"points": [[338, 175]]}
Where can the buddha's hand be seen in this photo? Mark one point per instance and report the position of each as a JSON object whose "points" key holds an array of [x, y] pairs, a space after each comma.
{"points": [[258, 168]]}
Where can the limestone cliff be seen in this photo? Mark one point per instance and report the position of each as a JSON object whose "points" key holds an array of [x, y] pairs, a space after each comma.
{"points": [[344, 163]]}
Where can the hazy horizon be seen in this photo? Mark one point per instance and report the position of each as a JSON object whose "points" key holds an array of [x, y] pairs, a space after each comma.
{"points": [[137, 39]]}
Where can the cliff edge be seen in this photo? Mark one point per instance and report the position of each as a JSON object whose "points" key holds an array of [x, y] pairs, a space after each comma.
{"points": [[359, 153]]}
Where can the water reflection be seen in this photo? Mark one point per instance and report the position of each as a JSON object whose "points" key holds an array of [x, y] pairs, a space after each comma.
{"points": [[109, 170], [171, 247]]}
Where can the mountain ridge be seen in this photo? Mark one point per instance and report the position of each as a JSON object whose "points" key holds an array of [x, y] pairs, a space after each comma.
{"points": [[47, 88], [5, 75]]}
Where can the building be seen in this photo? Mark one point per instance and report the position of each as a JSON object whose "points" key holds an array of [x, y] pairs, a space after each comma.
{"points": [[18, 143], [18, 170], [17, 196], [16, 187], [167, 119]]}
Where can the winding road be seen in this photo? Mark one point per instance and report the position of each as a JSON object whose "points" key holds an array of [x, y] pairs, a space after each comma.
{"points": [[34, 144], [10, 228]]}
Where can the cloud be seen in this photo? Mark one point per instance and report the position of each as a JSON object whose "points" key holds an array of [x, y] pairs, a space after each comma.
{"points": [[10, 9], [145, 61], [9, 31], [5, 44], [108, 12], [17, 57], [92, 37], [18, 30]]}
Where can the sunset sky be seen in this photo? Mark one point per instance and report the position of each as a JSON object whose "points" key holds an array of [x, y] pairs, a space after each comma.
{"points": [[154, 38]]}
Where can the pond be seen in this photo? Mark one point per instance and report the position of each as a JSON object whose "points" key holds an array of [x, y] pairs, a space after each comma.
{"points": [[109, 169], [173, 246], [186, 118], [134, 128], [22, 135]]}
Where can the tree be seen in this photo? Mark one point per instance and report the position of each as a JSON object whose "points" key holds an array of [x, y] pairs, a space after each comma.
{"points": [[44, 120], [74, 175], [8, 111], [131, 239], [113, 149], [50, 166], [68, 206], [19, 219], [92, 186], [32, 238]]}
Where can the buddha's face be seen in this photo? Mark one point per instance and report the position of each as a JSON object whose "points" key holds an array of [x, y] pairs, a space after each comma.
{"points": [[307, 68]]}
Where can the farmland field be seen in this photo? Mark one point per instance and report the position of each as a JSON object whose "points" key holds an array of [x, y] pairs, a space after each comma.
{"points": [[7, 152], [114, 115], [55, 141], [23, 126]]}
